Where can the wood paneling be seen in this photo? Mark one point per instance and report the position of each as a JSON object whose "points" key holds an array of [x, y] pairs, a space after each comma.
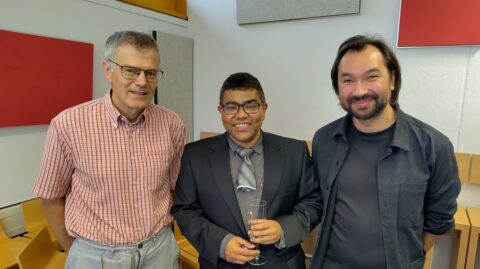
{"points": [[177, 8]]}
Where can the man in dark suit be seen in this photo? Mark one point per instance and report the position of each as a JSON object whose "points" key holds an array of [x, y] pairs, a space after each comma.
{"points": [[210, 200]]}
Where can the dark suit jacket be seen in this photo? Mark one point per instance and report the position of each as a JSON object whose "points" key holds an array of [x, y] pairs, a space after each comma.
{"points": [[206, 207]]}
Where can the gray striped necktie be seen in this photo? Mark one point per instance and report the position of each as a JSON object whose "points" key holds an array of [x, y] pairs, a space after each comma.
{"points": [[246, 176]]}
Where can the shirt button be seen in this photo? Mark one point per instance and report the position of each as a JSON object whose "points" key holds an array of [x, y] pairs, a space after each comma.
{"points": [[327, 188]]}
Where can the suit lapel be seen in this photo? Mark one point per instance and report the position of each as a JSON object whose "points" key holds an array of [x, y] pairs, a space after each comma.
{"points": [[220, 166], [274, 163]]}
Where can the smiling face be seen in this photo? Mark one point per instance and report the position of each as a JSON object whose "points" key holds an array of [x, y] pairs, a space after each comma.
{"points": [[244, 129], [131, 97], [365, 84]]}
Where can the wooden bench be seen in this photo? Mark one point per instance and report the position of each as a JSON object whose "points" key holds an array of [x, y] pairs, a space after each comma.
{"points": [[474, 215]]}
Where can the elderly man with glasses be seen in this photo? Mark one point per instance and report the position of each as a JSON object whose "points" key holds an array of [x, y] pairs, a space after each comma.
{"points": [[110, 167], [219, 175]]}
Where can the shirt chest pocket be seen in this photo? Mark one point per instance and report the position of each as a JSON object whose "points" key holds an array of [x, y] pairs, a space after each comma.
{"points": [[157, 166], [411, 199], [159, 155]]}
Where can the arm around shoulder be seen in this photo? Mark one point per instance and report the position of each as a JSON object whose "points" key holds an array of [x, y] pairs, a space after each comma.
{"points": [[308, 209]]}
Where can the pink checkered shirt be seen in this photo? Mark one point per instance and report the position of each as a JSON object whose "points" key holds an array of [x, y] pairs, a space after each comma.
{"points": [[117, 176]]}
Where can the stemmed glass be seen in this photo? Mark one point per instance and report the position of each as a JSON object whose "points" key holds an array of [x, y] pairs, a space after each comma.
{"points": [[256, 209]]}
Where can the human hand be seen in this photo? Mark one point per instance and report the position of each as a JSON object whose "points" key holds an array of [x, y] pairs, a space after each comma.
{"points": [[264, 232], [240, 251]]}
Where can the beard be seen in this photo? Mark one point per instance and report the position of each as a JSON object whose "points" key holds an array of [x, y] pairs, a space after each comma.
{"points": [[368, 113]]}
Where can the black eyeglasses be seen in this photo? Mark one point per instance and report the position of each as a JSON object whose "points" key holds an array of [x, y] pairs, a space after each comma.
{"points": [[233, 108], [131, 73]]}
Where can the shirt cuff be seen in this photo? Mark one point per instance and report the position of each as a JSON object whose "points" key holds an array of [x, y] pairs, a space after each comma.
{"points": [[282, 242], [225, 240]]}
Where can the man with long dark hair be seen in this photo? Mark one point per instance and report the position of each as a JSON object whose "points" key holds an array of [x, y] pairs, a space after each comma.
{"points": [[389, 182]]}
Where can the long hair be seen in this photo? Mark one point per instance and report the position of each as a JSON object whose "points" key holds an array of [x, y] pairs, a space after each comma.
{"points": [[360, 42]]}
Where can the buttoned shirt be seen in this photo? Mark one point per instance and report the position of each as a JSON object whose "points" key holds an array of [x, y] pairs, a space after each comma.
{"points": [[116, 176], [418, 185], [258, 165]]}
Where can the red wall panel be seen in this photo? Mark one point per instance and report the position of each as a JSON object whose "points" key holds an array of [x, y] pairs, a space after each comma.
{"points": [[439, 23], [41, 76]]}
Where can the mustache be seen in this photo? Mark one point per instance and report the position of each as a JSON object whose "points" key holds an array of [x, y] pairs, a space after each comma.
{"points": [[363, 97]]}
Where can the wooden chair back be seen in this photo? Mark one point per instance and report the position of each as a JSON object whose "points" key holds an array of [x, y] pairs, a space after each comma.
{"points": [[3, 235], [463, 163], [33, 217], [204, 134], [41, 252], [9, 249], [176, 231], [188, 254], [475, 169]]}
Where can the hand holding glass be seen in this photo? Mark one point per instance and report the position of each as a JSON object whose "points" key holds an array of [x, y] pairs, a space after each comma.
{"points": [[256, 209]]}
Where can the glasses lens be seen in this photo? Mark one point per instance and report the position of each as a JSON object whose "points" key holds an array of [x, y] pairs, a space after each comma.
{"points": [[151, 75], [129, 72], [230, 108], [251, 107]]}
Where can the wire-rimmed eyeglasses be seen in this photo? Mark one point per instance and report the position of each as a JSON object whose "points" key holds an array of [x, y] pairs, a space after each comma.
{"points": [[131, 73]]}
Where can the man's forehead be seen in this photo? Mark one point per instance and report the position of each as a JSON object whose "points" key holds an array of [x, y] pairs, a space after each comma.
{"points": [[370, 60], [243, 94]]}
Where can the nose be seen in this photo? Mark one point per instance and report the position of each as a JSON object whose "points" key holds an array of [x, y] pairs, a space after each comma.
{"points": [[241, 112], [360, 88], [141, 79]]}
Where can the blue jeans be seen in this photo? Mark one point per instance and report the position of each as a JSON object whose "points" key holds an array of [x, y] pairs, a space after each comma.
{"points": [[158, 251]]}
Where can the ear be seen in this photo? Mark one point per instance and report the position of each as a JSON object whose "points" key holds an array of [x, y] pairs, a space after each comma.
{"points": [[107, 72], [265, 106]]}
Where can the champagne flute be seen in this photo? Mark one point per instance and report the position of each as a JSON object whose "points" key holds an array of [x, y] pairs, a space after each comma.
{"points": [[256, 209]]}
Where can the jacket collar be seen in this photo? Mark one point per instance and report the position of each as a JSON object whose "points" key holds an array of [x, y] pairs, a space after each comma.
{"points": [[400, 135]]}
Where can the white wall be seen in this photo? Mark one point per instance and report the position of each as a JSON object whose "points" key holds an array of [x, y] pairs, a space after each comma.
{"points": [[292, 60], [21, 148]]}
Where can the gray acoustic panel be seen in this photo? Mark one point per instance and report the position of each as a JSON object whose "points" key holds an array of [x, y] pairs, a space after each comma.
{"points": [[175, 89], [253, 11]]}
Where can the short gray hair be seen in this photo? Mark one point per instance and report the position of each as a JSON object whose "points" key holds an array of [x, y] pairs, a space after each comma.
{"points": [[138, 40]]}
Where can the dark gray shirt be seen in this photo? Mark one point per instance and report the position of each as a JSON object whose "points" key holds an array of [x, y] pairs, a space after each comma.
{"points": [[257, 162], [356, 222]]}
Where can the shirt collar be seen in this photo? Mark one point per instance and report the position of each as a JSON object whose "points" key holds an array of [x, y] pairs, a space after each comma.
{"points": [[257, 148], [341, 129], [401, 137], [400, 134], [115, 115]]}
